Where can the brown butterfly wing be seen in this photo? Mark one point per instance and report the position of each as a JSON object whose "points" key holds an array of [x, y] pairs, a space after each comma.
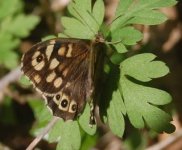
{"points": [[58, 69]]}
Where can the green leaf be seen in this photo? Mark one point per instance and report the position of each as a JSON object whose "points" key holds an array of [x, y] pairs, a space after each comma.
{"points": [[125, 36], [75, 29], [115, 114], [8, 57], [80, 6], [55, 132], [40, 110], [84, 121], [42, 115], [98, 11], [120, 48], [88, 142], [10, 60], [81, 10], [148, 18], [157, 3], [7, 42], [117, 58], [141, 101], [70, 136], [13, 25], [136, 140], [24, 81], [141, 11], [123, 7], [143, 68], [7, 7], [85, 19]]}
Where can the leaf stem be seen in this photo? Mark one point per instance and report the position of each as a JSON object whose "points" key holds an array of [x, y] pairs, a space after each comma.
{"points": [[10, 77], [42, 134]]}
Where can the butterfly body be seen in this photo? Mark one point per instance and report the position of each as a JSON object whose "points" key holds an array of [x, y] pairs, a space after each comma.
{"points": [[62, 70]]}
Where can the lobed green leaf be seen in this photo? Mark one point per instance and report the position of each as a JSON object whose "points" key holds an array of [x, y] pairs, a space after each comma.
{"points": [[70, 136], [42, 115], [115, 114], [139, 102], [127, 12], [120, 48], [13, 25], [143, 68], [55, 132], [7, 7], [75, 29], [148, 18], [98, 11], [85, 19], [8, 57], [126, 35]]}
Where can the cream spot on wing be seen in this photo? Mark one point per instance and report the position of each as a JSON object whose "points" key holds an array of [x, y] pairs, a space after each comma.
{"points": [[61, 51], [34, 62], [51, 77], [56, 101], [37, 53], [37, 78], [69, 50], [58, 82], [49, 50], [72, 107], [63, 99], [54, 63], [38, 66]]}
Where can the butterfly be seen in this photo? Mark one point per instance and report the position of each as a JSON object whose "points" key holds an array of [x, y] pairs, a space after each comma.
{"points": [[64, 71]]}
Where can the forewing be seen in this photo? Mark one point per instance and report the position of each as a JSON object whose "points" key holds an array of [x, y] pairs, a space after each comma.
{"points": [[58, 69]]}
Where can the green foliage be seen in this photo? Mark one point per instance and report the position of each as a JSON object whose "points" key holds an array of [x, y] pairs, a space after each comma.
{"points": [[136, 12], [125, 36], [24, 81], [42, 114], [129, 96], [140, 12], [115, 113], [84, 20], [88, 141], [141, 101], [68, 130], [11, 30]]}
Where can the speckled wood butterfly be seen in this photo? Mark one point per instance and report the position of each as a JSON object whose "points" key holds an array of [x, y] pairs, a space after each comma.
{"points": [[64, 72]]}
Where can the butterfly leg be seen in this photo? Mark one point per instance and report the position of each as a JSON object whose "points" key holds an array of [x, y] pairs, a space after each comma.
{"points": [[92, 120]]}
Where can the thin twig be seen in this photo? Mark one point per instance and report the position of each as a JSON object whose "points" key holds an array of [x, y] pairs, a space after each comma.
{"points": [[161, 145], [10, 77], [42, 134]]}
